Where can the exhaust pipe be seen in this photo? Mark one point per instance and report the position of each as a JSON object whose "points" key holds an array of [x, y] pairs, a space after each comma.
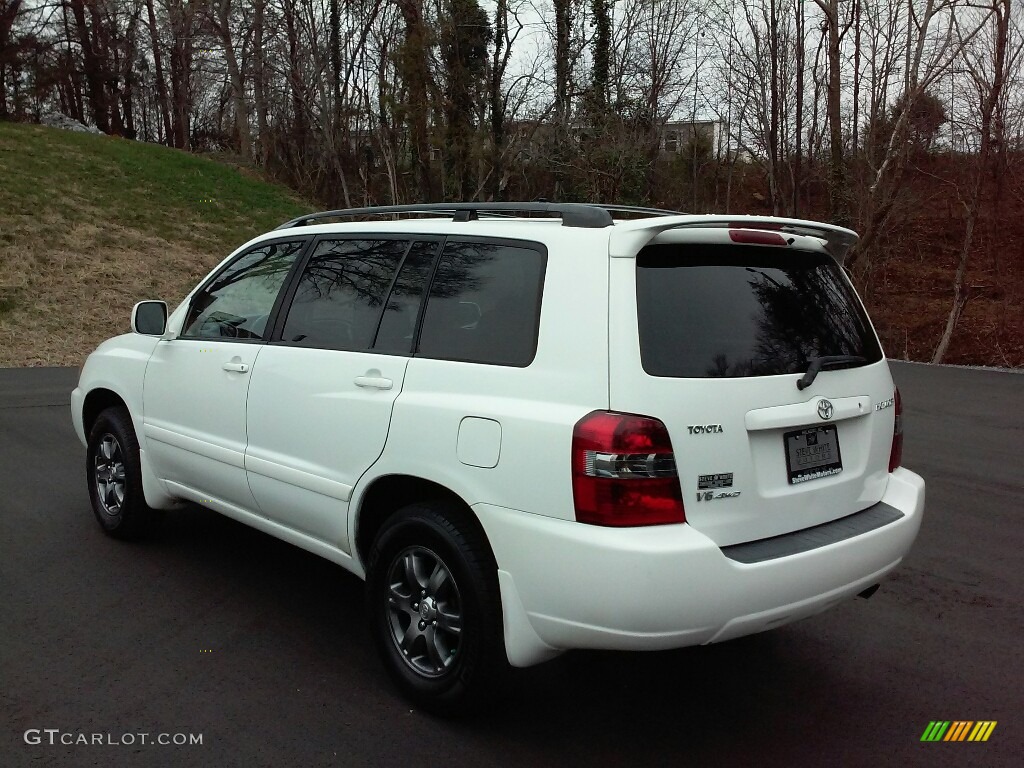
{"points": [[869, 591]]}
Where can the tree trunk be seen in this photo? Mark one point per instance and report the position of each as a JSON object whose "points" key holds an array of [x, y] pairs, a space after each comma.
{"points": [[161, 84], [93, 73], [562, 22], [300, 129], [838, 194], [74, 81], [601, 11], [222, 26], [499, 59], [8, 13], [259, 83], [799, 128], [127, 72], [106, 58], [182, 32], [415, 75]]}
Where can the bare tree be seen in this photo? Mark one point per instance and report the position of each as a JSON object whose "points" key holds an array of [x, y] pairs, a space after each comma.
{"points": [[465, 34], [926, 32], [839, 192], [987, 69], [415, 74], [221, 17], [762, 44]]}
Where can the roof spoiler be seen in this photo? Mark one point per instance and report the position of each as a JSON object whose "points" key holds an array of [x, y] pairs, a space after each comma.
{"points": [[629, 237]]}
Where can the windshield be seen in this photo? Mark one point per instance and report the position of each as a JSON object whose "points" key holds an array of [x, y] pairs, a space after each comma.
{"points": [[735, 311]]}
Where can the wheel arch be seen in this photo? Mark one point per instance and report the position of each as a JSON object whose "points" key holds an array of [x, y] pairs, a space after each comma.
{"points": [[389, 493], [97, 401]]}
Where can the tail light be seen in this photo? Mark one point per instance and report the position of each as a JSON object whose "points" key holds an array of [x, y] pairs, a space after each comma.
{"points": [[896, 454], [624, 471]]}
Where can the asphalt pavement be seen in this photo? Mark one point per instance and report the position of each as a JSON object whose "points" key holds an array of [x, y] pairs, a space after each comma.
{"points": [[213, 630]]}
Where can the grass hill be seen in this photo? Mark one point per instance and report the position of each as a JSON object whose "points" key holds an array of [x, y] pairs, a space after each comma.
{"points": [[91, 224]]}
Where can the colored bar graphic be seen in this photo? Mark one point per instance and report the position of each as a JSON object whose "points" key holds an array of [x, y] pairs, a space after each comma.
{"points": [[958, 730], [982, 730]]}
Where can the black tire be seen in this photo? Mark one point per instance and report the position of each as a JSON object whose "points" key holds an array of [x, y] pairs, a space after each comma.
{"points": [[114, 477], [438, 548]]}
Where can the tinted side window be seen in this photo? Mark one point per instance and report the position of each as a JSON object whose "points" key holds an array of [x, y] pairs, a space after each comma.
{"points": [[484, 304], [734, 311], [398, 325], [237, 304], [341, 293]]}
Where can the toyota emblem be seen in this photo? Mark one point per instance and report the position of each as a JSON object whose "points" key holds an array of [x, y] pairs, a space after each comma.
{"points": [[825, 409]]}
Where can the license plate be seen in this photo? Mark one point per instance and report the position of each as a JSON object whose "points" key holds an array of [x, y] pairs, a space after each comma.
{"points": [[812, 453]]}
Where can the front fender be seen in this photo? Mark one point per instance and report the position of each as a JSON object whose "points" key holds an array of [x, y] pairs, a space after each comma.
{"points": [[118, 367]]}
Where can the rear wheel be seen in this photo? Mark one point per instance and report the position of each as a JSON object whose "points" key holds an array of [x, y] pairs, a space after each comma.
{"points": [[435, 608], [114, 475]]}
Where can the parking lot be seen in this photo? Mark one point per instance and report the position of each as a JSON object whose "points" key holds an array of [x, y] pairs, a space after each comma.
{"points": [[218, 630]]}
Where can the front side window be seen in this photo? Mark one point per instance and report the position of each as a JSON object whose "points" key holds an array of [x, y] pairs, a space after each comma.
{"points": [[484, 304], [708, 311], [340, 296], [238, 303]]}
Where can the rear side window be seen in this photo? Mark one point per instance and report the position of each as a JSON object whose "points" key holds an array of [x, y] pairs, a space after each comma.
{"points": [[735, 311], [484, 304], [398, 325], [340, 297]]}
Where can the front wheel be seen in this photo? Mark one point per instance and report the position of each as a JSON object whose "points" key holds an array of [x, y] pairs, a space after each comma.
{"points": [[114, 474], [435, 608]]}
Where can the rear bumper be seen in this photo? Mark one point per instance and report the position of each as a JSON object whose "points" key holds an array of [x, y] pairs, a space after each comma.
{"points": [[566, 585]]}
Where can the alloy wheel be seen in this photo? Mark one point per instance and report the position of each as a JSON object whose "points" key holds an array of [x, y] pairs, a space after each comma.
{"points": [[424, 611], [109, 474]]}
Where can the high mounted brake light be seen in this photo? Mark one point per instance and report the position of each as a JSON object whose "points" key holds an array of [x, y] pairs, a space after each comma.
{"points": [[756, 237], [624, 471]]}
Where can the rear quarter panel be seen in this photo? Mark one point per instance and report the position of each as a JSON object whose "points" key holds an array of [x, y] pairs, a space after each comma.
{"points": [[535, 406]]}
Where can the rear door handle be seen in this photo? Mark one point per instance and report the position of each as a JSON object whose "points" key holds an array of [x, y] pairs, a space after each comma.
{"points": [[235, 367], [373, 382]]}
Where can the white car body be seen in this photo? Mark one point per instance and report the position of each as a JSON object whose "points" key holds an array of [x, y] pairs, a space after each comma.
{"points": [[294, 440]]}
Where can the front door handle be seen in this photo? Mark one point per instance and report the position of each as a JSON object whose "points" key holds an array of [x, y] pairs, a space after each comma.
{"points": [[235, 367], [373, 382]]}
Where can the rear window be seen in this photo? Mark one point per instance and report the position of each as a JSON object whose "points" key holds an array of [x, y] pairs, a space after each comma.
{"points": [[733, 311]]}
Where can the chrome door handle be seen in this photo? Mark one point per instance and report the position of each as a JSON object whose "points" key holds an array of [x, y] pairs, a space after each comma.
{"points": [[373, 382], [235, 367]]}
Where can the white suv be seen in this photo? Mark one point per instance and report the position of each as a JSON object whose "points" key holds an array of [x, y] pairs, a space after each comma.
{"points": [[530, 427]]}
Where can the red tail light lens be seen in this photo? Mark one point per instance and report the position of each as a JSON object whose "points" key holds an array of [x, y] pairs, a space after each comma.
{"points": [[896, 454], [624, 471]]}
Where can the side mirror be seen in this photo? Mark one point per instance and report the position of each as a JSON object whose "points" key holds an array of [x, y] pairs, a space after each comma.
{"points": [[149, 318]]}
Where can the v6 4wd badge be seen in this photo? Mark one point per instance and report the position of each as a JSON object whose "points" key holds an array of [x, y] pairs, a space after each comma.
{"points": [[712, 496]]}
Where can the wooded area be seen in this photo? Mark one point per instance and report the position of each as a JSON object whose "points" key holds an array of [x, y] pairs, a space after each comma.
{"points": [[829, 109]]}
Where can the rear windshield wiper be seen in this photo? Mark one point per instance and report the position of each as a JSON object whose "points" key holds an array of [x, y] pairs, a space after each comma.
{"points": [[817, 363]]}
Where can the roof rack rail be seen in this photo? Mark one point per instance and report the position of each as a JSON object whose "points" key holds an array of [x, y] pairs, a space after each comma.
{"points": [[583, 215], [647, 212]]}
